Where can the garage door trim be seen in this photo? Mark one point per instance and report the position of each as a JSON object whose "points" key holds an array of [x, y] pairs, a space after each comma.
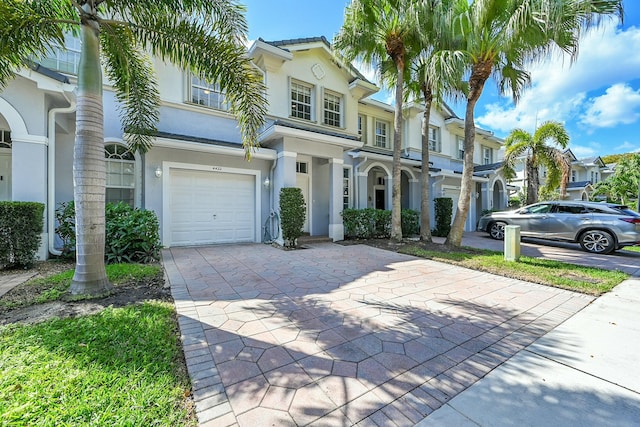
{"points": [[166, 188]]}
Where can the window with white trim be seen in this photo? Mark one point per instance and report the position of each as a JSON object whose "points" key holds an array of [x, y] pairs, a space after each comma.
{"points": [[434, 139], [332, 109], [381, 134], [487, 155], [460, 153], [120, 174], [574, 175], [301, 101], [208, 95], [594, 177], [302, 167], [64, 59], [346, 188], [362, 128], [5, 138]]}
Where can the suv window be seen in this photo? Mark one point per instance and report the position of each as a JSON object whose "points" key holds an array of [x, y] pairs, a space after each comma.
{"points": [[572, 209], [540, 209]]}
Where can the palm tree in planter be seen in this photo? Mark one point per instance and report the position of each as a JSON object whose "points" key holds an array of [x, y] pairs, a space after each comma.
{"points": [[546, 147], [500, 38], [203, 36], [379, 31]]}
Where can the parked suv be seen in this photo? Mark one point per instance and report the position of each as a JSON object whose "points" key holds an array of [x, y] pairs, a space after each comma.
{"points": [[599, 227]]}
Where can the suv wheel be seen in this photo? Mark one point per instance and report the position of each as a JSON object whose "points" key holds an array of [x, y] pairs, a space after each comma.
{"points": [[597, 242], [496, 230]]}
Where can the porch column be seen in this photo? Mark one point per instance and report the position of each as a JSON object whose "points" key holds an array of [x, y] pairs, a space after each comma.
{"points": [[29, 177], [336, 226], [388, 191], [284, 175], [414, 194], [363, 190]]}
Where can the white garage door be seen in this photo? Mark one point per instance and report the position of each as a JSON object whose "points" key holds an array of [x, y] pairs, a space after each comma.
{"points": [[211, 207]]}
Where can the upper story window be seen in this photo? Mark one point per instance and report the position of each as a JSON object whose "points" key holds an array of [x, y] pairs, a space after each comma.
{"points": [[209, 95], [362, 128], [574, 175], [301, 101], [64, 59], [460, 153], [382, 134], [487, 155], [434, 139], [5, 138], [120, 174], [302, 167], [332, 108], [595, 177]]}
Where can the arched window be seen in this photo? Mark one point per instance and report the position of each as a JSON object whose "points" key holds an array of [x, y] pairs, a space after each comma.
{"points": [[121, 178]]}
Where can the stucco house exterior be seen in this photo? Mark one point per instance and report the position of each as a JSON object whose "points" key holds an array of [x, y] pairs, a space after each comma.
{"points": [[323, 133]]}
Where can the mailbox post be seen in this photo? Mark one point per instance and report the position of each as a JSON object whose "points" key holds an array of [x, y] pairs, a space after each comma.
{"points": [[512, 242]]}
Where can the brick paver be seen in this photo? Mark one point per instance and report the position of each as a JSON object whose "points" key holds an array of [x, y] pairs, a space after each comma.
{"points": [[344, 335]]}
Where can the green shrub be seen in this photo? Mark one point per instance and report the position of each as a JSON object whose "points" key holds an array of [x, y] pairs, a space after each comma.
{"points": [[410, 222], [132, 235], [21, 225], [376, 223], [444, 213], [292, 214]]}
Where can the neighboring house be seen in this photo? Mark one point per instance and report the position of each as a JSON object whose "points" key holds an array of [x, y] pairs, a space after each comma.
{"points": [[323, 134], [583, 175]]}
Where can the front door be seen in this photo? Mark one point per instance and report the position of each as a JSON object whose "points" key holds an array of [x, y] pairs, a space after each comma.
{"points": [[380, 199], [5, 175]]}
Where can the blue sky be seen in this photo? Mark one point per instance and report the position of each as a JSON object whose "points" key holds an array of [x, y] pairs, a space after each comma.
{"points": [[597, 97]]}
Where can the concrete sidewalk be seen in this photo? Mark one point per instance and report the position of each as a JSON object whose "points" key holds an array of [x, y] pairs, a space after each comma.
{"points": [[585, 372]]}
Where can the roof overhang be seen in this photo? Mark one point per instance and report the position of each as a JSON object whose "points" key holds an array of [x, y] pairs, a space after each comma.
{"points": [[257, 153], [382, 157], [277, 131]]}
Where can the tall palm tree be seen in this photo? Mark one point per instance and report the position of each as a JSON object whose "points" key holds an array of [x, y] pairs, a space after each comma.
{"points": [[499, 38], [202, 36], [375, 31], [546, 147]]}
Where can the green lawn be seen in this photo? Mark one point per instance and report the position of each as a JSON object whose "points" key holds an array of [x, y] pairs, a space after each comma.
{"points": [[118, 367], [593, 281], [632, 248]]}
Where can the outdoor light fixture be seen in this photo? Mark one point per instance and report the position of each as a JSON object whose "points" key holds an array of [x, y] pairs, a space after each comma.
{"points": [[266, 182], [158, 172]]}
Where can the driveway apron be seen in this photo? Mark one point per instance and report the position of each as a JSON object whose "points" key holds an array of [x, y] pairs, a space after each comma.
{"points": [[340, 335]]}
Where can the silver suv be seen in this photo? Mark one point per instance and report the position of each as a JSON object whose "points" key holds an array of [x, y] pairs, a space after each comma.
{"points": [[599, 227]]}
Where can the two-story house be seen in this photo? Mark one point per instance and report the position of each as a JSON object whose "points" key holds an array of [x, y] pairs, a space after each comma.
{"points": [[323, 134]]}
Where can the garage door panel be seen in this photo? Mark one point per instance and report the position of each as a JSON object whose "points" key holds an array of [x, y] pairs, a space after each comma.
{"points": [[209, 207]]}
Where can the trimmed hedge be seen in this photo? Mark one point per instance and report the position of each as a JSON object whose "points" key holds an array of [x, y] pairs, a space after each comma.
{"points": [[132, 234], [444, 214], [21, 225], [292, 214], [376, 223]]}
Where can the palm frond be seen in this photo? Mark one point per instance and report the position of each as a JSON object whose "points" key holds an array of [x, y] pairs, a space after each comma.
{"points": [[131, 71]]}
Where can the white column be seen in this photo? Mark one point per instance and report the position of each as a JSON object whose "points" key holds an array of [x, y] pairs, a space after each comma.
{"points": [[336, 226], [284, 175], [363, 191], [414, 194]]}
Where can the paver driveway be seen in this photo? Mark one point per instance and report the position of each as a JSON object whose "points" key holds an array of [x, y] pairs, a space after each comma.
{"points": [[341, 335]]}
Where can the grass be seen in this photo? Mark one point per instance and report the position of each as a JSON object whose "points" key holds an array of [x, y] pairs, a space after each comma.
{"points": [[589, 280], [118, 367], [632, 248], [55, 287]]}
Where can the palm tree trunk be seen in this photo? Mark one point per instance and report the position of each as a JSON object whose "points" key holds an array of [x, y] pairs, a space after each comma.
{"points": [[89, 173], [533, 183], [396, 220], [425, 181], [479, 75]]}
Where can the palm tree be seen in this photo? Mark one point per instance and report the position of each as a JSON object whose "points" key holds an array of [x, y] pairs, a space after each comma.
{"points": [[202, 36], [538, 152], [376, 31], [499, 37]]}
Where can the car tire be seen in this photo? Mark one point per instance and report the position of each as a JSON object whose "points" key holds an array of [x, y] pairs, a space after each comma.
{"points": [[597, 242], [496, 230]]}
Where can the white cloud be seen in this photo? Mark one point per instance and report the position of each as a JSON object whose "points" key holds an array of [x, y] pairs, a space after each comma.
{"points": [[581, 151], [559, 91], [627, 146], [620, 104]]}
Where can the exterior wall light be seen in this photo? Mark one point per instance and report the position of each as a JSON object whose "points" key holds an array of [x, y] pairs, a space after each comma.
{"points": [[267, 182], [158, 172]]}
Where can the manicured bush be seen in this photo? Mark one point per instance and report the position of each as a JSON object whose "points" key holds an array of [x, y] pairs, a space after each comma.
{"points": [[21, 225], [132, 235], [444, 213], [376, 223], [292, 214], [410, 222]]}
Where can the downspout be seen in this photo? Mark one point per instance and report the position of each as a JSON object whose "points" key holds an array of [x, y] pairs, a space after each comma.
{"points": [[436, 182], [271, 196], [51, 171]]}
